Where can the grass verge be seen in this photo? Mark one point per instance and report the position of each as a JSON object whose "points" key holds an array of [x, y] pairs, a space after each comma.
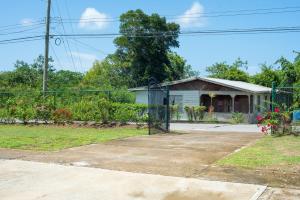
{"points": [[51, 138], [267, 152]]}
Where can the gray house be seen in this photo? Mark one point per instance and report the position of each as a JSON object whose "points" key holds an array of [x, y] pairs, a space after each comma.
{"points": [[229, 96]]}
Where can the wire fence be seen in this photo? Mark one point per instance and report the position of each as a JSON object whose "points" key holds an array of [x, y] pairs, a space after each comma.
{"points": [[158, 108]]}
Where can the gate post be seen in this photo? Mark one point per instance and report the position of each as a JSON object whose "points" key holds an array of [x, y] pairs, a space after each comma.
{"points": [[168, 109], [273, 96]]}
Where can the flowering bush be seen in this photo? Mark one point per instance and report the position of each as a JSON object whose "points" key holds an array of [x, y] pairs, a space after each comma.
{"points": [[277, 122]]}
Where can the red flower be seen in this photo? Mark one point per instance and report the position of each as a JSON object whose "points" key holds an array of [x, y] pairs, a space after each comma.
{"points": [[276, 110], [259, 118]]}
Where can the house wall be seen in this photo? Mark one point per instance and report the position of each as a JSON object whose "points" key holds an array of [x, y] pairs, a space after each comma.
{"points": [[189, 98], [141, 96], [192, 98]]}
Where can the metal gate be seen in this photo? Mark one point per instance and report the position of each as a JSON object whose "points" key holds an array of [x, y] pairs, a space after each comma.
{"points": [[158, 107], [286, 108], [284, 97]]}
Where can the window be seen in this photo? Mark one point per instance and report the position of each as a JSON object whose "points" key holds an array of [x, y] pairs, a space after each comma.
{"points": [[177, 100]]}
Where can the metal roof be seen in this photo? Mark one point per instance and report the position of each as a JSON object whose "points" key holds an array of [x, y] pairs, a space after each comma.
{"points": [[238, 85]]}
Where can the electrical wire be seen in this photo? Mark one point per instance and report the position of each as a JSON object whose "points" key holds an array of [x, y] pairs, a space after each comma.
{"points": [[261, 30], [230, 13], [65, 39], [72, 30]]}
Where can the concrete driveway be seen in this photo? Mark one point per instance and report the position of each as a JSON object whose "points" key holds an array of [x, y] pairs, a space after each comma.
{"points": [[229, 128], [24, 180], [187, 155]]}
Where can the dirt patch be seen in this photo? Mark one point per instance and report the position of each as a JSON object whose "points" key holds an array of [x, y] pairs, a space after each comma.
{"points": [[194, 195]]}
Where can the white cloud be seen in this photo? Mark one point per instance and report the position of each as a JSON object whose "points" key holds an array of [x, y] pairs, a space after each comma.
{"points": [[193, 17], [93, 19], [26, 22]]}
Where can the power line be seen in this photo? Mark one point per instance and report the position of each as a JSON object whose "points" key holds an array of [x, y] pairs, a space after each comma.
{"points": [[11, 27], [55, 55], [89, 46], [72, 30], [68, 45], [21, 41], [22, 31], [288, 29], [170, 33], [22, 38], [229, 13]]}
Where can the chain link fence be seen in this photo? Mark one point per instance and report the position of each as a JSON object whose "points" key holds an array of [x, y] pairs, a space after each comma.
{"points": [[158, 108]]}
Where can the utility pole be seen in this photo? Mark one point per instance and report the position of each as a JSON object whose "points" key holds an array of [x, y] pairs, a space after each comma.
{"points": [[47, 37]]}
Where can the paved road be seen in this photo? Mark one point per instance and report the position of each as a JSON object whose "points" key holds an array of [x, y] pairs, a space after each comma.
{"points": [[186, 127], [28, 180]]}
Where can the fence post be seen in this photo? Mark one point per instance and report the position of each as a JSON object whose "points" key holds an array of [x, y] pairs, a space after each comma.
{"points": [[168, 109], [273, 96]]}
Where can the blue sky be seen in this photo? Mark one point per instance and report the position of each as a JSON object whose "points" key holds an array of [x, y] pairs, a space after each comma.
{"points": [[199, 51]]}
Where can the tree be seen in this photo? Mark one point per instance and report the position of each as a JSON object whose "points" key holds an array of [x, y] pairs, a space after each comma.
{"points": [[266, 76], [230, 72], [106, 74], [65, 79], [179, 68], [288, 72], [144, 45]]}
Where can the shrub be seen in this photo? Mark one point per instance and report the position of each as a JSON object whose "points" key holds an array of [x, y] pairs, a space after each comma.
{"points": [[104, 110], [3, 115], [44, 109], [190, 112], [276, 123], [199, 112], [61, 116], [43, 112], [174, 112], [85, 110], [24, 110], [129, 112], [238, 117]]}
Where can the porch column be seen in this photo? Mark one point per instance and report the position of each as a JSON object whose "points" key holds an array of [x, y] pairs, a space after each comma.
{"points": [[232, 102], [249, 104]]}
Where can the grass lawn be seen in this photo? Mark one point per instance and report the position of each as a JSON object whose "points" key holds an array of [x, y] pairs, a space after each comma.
{"points": [[267, 152], [50, 138]]}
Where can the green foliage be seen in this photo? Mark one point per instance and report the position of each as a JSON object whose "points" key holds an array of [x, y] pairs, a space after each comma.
{"points": [[199, 112], [24, 109], [229, 72], [84, 110], [238, 118], [106, 74], [179, 68], [190, 112], [44, 109], [267, 75], [124, 113], [144, 57], [174, 112], [104, 107]]}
